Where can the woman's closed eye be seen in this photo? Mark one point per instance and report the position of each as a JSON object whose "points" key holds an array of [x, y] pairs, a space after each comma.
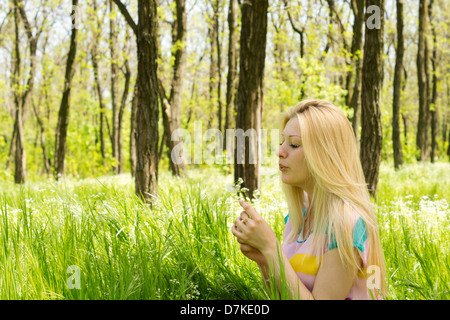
{"points": [[292, 145]]}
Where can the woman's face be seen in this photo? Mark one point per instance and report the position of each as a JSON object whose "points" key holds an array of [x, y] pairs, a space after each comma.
{"points": [[291, 156]]}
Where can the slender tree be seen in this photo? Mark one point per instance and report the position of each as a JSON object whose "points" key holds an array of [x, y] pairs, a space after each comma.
{"points": [[18, 134], [434, 108], [133, 132], [356, 51], [422, 138], [98, 85], [64, 108], [114, 91], [212, 64], [397, 145], [219, 63], [123, 102], [22, 98], [171, 105], [371, 132], [250, 91], [231, 76]]}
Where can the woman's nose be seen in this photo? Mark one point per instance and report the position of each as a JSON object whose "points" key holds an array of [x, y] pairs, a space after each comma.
{"points": [[280, 152]]}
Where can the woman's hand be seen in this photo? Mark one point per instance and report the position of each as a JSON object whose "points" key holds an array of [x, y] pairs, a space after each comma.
{"points": [[252, 253], [253, 232]]}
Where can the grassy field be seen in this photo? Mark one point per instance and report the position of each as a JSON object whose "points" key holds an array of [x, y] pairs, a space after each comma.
{"points": [[94, 239]]}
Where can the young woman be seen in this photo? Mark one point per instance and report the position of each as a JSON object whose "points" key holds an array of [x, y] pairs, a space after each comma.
{"points": [[331, 245]]}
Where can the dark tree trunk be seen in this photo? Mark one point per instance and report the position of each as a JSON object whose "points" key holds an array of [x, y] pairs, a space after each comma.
{"points": [[434, 109], [147, 114], [357, 46], [371, 132], [64, 109], [147, 108], [250, 91], [422, 70], [397, 145], [231, 76]]}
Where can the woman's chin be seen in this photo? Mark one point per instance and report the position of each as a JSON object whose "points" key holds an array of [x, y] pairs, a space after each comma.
{"points": [[284, 178]]}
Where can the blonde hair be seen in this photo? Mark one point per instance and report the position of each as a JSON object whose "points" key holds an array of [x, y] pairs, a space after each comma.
{"points": [[332, 159]]}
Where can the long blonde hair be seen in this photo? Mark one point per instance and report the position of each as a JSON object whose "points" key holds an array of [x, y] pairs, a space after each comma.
{"points": [[332, 159]]}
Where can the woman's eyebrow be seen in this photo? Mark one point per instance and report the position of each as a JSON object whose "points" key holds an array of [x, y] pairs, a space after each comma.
{"points": [[291, 135]]}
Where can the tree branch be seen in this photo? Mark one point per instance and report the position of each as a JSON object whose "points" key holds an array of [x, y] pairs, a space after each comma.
{"points": [[127, 16], [24, 19]]}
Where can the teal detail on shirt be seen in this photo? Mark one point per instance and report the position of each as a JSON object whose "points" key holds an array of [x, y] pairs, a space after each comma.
{"points": [[359, 234], [286, 218]]}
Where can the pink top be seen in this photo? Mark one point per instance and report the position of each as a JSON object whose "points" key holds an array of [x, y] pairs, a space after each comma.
{"points": [[305, 265]]}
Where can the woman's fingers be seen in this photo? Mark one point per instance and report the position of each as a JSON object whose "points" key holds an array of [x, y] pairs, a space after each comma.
{"points": [[246, 248], [242, 224], [236, 231], [244, 215], [249, 209]]}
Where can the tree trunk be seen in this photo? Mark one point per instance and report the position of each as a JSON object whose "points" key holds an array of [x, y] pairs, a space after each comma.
{"points": [[22, 100], [12, 146], [94, 52], [42, 139], [114, 91], [301, 33], [133, 133], [147, 108], [405, 128], [434, 110], [121, 111], [355, 101], [397, 145], [212, 69], [99, 93], [147, 113], [231, 76], [172, 106], [250, 91], [371, 132], [219, 64], [19, 148], [422, 70], [64, 109]]}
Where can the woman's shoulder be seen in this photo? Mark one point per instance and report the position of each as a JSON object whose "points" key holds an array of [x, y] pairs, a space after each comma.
{"points": [[359, 232]]}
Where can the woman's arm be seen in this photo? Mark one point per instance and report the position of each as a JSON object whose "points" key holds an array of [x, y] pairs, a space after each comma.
{"points": [[333, 280]]}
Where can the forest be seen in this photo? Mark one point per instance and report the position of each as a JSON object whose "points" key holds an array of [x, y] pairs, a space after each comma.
{"points": [[115, 118]]}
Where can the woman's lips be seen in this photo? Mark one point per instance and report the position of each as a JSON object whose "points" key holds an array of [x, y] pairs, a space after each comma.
{"points": [[283, 168]]}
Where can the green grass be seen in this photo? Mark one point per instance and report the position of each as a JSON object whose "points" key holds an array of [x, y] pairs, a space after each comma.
{"points": [[182, 248]]}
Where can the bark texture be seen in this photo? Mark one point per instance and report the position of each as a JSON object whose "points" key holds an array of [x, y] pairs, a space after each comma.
{"points": [[250, 91], [371, 133]]}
